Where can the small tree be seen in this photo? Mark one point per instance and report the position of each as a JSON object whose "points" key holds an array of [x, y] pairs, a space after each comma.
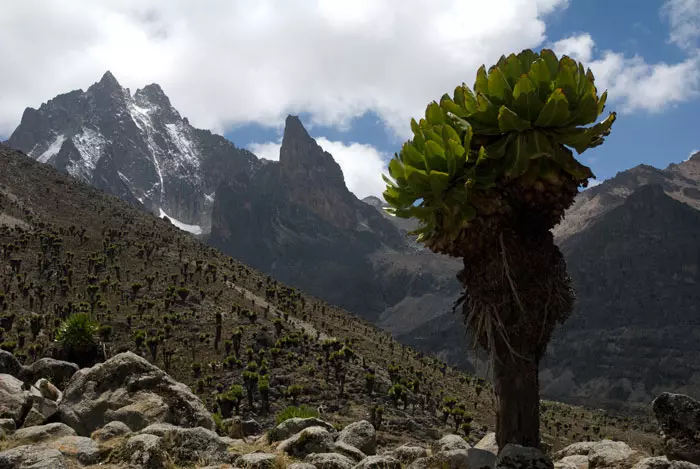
{"points": [[489, 173], [77, 336]]}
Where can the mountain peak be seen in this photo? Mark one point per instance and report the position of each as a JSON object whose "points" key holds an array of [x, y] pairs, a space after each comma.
{"points": [[300, 151], [695, 157], [294, 127], [108, 81]]}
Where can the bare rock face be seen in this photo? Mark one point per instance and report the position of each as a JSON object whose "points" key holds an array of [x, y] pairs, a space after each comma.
{"points": [[521, 457], [129, 389], [679, 418]]}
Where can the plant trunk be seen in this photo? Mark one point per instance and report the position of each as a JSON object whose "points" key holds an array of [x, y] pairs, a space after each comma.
{"points": [[516, 291], [516, 386]]}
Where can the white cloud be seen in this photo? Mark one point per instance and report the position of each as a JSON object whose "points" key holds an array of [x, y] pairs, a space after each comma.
{"points": [[632, 83], [234, 61], [267, 150], [577, 47], [362, 164], [684, 18]]}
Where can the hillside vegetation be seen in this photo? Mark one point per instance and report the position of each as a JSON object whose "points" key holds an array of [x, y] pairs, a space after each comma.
{"points": [[216, 324]]}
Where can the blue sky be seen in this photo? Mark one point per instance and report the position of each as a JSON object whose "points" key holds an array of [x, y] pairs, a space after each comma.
{"points": [[357, 71]]}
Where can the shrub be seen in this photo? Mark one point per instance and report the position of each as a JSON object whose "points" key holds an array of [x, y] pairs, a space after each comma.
{"points": [[296, 411], [77, 336]]}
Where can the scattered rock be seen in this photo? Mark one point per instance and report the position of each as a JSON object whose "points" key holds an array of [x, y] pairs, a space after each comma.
{"points": [[576, 461], [379, 462], [144, 451], [349, 451], [251, 427], [43, 432], [294, 425], [679, 418], [85, 450], [110, 430], [488, 443], [8, 425], [522, 457], [191, 444], [427, 462], [464, 459], [32, 457], [581, 448], [128, 388], [301, 465], [42, 409], [56, 371], [609, 453], [9, 365], [257, 461], [14, 401], [361, 435], [309, 440], [658, 462], [450, 442], [329, 461], [408, 453]]}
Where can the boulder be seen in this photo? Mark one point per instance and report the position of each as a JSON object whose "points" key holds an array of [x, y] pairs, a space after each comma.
{"points": [[42, 409], [427, 462], [15, 401], [8, 425], [679, 418], [309, 440], [251, 427], [463, 459], [658, 462], [329, 461], [129, 389], [488, 443], [257, 461], [144, 451], [110, 430], [9, 365], [349, 451], [608, 453], [408, 453], [294, 425], [83, 449], [361, 435], [522, 457], [43, 432], [32, 457], [576, 461], [379, 462], [301, 465], [56, 371], [187, 445], [580, 448], [450, 442]]}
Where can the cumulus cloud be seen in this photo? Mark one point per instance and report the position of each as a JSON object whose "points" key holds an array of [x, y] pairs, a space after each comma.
{"points": [[632, 83], [684, 18], [234, 61], [362, 164]]}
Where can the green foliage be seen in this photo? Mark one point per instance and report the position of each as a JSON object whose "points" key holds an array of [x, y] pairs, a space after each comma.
{"points": [[294, 412], [515, 126], [78, 332]]}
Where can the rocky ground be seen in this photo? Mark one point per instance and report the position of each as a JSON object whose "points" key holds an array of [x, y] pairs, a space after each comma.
{"points": [[128, 413]]}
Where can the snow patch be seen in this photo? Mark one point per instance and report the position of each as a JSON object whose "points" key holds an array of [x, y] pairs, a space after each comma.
{"points": [[183, 144], [90, 145], [210, 197], [53, 149], [194, 229]]}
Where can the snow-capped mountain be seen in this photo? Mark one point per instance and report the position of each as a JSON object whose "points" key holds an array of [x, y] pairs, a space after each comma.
{"points": [[136, 147]]}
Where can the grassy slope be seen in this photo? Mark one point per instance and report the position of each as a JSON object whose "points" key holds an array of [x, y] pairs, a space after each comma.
{"points": [[39, 206]]}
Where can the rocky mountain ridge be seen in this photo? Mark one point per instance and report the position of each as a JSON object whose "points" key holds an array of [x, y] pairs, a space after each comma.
{"points": [[136, 147]]}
